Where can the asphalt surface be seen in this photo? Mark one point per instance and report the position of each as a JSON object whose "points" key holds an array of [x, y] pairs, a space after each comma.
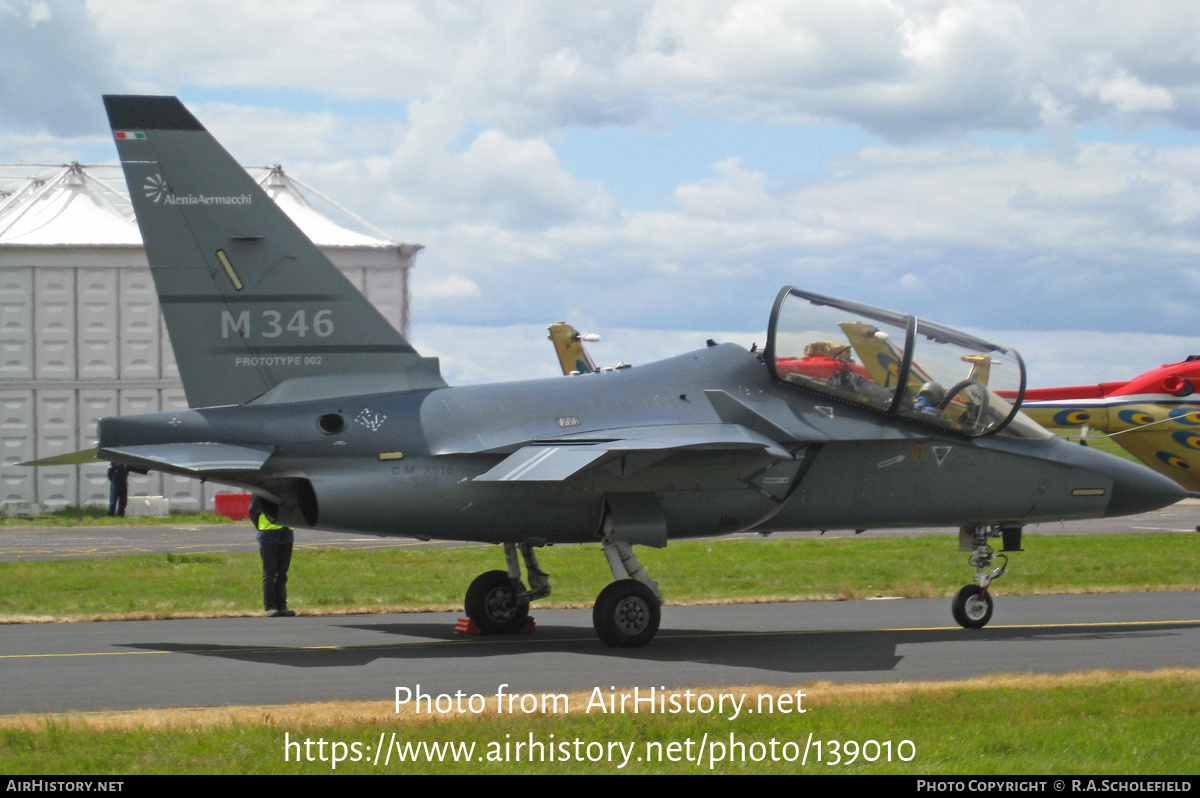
{"points": [[48, 543], [234, 661], [237, 661]]}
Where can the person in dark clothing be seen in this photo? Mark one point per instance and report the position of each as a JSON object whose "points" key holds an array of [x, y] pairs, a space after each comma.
{"points": [[275, 546], [118, 489]]}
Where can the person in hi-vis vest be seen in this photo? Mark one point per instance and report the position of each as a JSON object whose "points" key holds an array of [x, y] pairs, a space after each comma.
{"points": [[275, 546]]}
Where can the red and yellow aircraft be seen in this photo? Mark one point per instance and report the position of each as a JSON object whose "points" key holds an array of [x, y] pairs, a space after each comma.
{"points": [[1155, 416]]}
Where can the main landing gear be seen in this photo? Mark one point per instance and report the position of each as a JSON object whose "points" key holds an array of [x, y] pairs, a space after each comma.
{"points": [[498, 602], [626, 613], [972, 607]]}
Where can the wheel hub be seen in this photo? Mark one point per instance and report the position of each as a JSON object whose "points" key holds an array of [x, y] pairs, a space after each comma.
{"points": [[632, 615], [501, 604], [975, 608]]}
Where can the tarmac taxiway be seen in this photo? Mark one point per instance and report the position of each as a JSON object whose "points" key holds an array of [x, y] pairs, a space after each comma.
{"points": [[237, 661], [120, 665]]}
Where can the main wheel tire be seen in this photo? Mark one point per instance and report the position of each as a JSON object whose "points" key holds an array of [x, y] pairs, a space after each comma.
{"points": [[493, 605], [626, 614], [972, 607]]}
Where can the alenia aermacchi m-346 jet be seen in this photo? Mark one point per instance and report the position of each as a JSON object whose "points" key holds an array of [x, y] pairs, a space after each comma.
{"points": [[301, 392], [1154, 416]]}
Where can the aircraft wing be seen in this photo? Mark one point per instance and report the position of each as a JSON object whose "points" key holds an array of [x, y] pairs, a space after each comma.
{"points": [[1172, 454], [195, 459], [556, 459]]}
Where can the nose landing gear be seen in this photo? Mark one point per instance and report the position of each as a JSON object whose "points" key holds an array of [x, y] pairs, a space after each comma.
{"points": [[972, 607]]}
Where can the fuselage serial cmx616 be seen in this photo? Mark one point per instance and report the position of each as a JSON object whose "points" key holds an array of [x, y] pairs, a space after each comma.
{"points": [[302, 393]]}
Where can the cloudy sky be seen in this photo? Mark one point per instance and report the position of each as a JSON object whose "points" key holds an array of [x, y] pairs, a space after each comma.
{"points": [[655, 171]]}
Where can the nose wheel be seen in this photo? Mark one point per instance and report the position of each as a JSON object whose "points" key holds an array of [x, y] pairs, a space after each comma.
{"points": [[972, 607]]}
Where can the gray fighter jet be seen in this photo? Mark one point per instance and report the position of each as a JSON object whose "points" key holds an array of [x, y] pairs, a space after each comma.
{"points": [[302, 393]]}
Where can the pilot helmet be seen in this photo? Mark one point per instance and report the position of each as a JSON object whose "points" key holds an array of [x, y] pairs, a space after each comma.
{"points": [[932, 392]]}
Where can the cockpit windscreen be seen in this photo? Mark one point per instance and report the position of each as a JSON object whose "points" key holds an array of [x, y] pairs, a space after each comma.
{"points": [[897, 364]]}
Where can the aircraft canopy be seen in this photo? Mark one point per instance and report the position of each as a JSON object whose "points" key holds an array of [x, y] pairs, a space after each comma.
{"points": [[897, 364]]}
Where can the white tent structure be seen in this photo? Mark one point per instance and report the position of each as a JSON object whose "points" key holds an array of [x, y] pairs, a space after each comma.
{"points": [[80, 333]]}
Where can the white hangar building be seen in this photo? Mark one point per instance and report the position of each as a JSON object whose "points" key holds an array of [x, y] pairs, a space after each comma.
{"points": [[81, 336]]}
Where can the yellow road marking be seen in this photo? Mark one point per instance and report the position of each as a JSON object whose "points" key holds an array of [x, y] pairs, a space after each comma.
{"points": [[513, 640]]}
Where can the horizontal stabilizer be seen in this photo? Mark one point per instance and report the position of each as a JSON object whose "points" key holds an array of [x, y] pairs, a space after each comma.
{"points": [[82, 457], [557, 459], [191, 458]]}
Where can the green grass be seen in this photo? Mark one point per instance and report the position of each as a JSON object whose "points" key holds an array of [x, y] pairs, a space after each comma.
{"points": [[92, 515], [1100, 442], [1106, 723], [1090, 725], [433, 578]]}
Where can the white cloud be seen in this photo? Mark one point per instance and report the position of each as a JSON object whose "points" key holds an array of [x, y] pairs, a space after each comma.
{"points": [[450, 286], [901, 69], [39, 12], [1129, 95], [54, 69], [1089, 357], [405, 176], [480, 354], [388, 49], [1070, 235], [734, 193], [962, 235]]}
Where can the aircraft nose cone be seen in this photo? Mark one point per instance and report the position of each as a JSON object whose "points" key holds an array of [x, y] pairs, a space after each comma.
{"points": [[1137, 489]]}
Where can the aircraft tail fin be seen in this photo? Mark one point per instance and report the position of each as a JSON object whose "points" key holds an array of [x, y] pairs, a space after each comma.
{"points": [[253, 308], [568, 345]]}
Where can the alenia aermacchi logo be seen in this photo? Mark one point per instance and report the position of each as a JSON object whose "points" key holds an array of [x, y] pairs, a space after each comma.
{"points": [[158, 191], [155, 188]]}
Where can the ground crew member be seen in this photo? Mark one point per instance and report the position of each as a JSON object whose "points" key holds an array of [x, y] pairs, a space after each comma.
{"points": [[275, 546], [118, 489]]}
